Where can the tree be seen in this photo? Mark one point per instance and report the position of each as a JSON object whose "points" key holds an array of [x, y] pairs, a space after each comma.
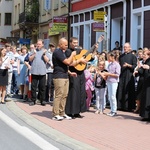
{"points": [[32, 11]]}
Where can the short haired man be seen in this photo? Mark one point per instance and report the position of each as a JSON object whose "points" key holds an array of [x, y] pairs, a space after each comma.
{"points": [[61, 81], [49, 94], [39, 58]]}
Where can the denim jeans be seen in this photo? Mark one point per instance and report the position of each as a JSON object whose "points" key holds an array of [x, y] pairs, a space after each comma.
{"points": [[100, 97], [9, 83], [14, 82], [112, 90]]}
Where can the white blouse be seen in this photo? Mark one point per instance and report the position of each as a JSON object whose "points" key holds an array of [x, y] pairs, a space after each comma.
{"points": [[5, 62]]}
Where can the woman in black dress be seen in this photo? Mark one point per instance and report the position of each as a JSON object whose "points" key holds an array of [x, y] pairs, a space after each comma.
{"points": [[144, 70], [4, 66]]}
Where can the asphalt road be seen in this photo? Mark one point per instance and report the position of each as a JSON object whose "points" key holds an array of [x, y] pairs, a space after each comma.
{"points": [[17, 135], [12, 140]]}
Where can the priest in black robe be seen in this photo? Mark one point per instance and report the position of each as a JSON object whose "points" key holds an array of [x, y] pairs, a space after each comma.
{"points": [[144, 70], [126, 87], [76, 100]]}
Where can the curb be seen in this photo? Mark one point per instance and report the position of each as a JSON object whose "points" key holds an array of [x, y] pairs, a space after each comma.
{"points": [[47, 130]]}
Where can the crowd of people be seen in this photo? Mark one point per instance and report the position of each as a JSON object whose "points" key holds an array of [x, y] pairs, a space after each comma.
{"points": [[120, 78]]}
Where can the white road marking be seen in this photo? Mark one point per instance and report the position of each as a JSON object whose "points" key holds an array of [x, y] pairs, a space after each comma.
{"points": [[26, 132]]}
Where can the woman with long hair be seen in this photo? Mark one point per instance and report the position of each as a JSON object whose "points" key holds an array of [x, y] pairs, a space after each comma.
{"points": [[4, 66]]}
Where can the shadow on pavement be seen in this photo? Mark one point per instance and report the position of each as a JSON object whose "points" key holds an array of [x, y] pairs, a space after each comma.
{"points": [[46, 114]]}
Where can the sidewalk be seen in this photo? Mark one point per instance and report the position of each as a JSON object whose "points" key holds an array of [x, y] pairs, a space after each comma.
{"points": [[93, 131]]}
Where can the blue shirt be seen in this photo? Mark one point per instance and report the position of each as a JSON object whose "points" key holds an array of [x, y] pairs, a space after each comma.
{"points": [[38, 66]]}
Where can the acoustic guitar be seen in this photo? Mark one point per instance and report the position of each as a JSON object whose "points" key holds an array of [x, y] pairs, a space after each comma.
{"points": [[87, 54]]}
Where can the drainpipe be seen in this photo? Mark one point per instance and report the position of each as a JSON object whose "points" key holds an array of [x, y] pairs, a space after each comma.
{"points": [[69, 27], [24, 18]]}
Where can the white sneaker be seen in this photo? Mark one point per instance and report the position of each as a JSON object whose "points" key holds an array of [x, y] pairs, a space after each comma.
{"points": [[112, 114], [58, 118], [97, 111], [67, 117], [101, 112], [109, 114]]}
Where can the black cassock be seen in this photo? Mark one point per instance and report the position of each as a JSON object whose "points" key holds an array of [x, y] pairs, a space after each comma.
{"points": [[126, 87], [76, 100], [145, 99]]}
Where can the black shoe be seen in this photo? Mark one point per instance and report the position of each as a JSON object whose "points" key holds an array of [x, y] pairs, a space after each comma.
{"points": [[72, 116], [78, 116], [32, 103], [43, 103], [17, 92], [3, 102], [25, 99], [21, 97], [145, 119]]}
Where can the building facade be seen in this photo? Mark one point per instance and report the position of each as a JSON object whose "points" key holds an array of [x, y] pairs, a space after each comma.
{"points": [[33, 19], [125, 21], [50, 9], [5, 18]]}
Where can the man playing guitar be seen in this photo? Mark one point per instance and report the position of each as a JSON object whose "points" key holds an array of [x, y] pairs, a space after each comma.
{"points": [[76, 100]]}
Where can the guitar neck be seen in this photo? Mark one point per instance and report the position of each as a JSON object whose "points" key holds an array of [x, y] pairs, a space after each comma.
{"points": [[93, 47]]}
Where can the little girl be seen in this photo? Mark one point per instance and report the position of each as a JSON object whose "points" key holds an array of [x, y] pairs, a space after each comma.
{"points": [[89, 85], [112, 82], [100, 85]]}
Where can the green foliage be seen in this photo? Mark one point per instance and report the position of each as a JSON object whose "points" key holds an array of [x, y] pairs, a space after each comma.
{"points": [[32, 11]]}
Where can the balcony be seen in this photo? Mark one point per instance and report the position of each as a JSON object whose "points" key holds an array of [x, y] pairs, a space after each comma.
{"points": [[28, 19]]}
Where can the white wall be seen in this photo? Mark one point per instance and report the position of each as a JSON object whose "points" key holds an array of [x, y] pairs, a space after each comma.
{"points": [[5, 7]]}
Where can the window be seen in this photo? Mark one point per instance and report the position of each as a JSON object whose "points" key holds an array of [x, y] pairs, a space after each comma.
{"points": [[7, 18], [47, 5], [56, 5], [137, 31], [64, 1]]}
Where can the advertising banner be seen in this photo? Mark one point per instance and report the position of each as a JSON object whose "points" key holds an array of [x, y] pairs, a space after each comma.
{"points": [[98, 26]]}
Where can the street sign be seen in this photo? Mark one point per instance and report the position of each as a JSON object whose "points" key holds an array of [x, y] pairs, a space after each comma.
{"points": [[24, 41], [60, 24], [99, 16], [98, 26], [52, 32]]}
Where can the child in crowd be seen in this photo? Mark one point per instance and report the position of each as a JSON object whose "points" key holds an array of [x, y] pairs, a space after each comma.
{"points": [[89, 85], [100, 85], [112, 82]]}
